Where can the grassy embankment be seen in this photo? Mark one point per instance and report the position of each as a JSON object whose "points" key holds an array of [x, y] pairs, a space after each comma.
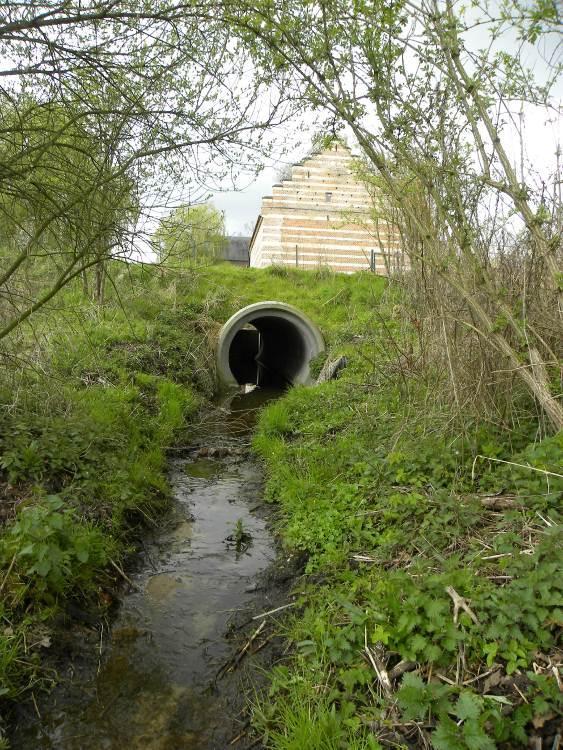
{"points": [[433, 599], [85, 425]]}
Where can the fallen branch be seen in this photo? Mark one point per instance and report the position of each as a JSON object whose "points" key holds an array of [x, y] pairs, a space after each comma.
{"points": [[460, 603], [380, 671], [500, 502], [8, 573], [331, 368], [273, 611], [400, 669], [233, 663], [124, 575]]}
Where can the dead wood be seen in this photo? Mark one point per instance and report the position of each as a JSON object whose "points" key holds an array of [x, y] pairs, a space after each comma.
{"points": [[501, 502], [380, 671], [400, 669], [331, 368], [460, 603], [234, 661]]}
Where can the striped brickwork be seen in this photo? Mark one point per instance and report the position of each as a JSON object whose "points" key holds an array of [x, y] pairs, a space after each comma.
{"points": [[322, 216]]}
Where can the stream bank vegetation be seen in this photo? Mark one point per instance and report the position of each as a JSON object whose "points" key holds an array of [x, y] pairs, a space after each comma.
{"points": [[424, 486], [103, 113], [430, 615], [87, 414], [424, 489]]}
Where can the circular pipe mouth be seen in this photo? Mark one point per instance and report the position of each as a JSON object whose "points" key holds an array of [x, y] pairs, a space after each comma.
{"points": [[269, 344]]}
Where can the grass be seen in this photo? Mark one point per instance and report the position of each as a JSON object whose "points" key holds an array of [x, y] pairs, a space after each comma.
{"points": [[387, 507], [376, 487], [85, 428]]}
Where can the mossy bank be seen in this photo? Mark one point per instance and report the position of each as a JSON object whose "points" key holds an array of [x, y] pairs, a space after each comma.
{"points": [[431, 612]]}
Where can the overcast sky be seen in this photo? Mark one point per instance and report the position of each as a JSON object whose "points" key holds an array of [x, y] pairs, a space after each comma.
{"points": [[543, 131], [241, 207], [542, 135]]}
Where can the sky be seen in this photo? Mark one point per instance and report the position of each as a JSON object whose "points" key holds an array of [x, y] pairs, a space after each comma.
{"points": [[241, 207], [542, 135], [542, 129]]}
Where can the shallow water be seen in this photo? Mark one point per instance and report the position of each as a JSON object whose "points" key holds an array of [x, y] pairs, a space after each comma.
{"points": [[155, 687]]}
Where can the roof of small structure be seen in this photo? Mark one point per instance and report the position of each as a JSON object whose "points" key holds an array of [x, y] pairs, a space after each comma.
{"points": [[236, 249]]}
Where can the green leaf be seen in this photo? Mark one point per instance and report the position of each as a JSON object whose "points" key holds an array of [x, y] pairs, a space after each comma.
{"points": [[56, 521], [82, 554], [42, 567], [475, 737], [447, 736], [468, 706], [413, 697], [55, 502], [418, 643], [434, 609], [498, 699]]}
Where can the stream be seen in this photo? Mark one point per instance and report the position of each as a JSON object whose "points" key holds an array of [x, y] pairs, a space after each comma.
{"points": [[152, 683]]}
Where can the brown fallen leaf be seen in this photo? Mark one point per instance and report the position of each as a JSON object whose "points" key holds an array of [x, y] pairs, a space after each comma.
{"points": [[492, 681], [539, 721]]}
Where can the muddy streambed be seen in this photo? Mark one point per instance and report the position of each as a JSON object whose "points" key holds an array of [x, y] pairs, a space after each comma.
{"points": [[151, 682]]}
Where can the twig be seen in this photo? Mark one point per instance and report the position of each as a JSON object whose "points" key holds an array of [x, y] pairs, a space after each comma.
{"points": [[512, 463], [260, 646], [124, 575], [240, 735], [445, 679], [238, 738], [35, 706], [247, 645], [480, 676], [549, 523], [380, 671], [333, 298], [234, 661], [272, 611], [100, 648], [8, 573], [460, 603], [496, 557]]}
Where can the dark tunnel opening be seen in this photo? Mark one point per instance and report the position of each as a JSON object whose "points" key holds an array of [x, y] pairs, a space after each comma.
{"points": [[268, 353], [242, 355], [267, 344]]}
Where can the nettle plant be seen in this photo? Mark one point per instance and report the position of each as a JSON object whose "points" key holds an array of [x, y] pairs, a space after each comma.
{"points": [[50, 549]]}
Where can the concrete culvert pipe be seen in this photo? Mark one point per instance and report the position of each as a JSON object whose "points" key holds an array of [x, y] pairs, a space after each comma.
{"points": [[269, 344]]}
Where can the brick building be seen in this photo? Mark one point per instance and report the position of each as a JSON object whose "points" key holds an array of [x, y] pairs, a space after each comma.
{"points": [[322, 216]]}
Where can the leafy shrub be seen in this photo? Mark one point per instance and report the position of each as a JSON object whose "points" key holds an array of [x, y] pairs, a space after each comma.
{"points": [[52, 550], [392, 520]]}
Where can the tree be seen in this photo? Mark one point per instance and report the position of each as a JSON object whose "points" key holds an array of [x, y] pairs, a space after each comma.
{"points": [[64, 208], [191, 234], [429, 114], [106, 108]]}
